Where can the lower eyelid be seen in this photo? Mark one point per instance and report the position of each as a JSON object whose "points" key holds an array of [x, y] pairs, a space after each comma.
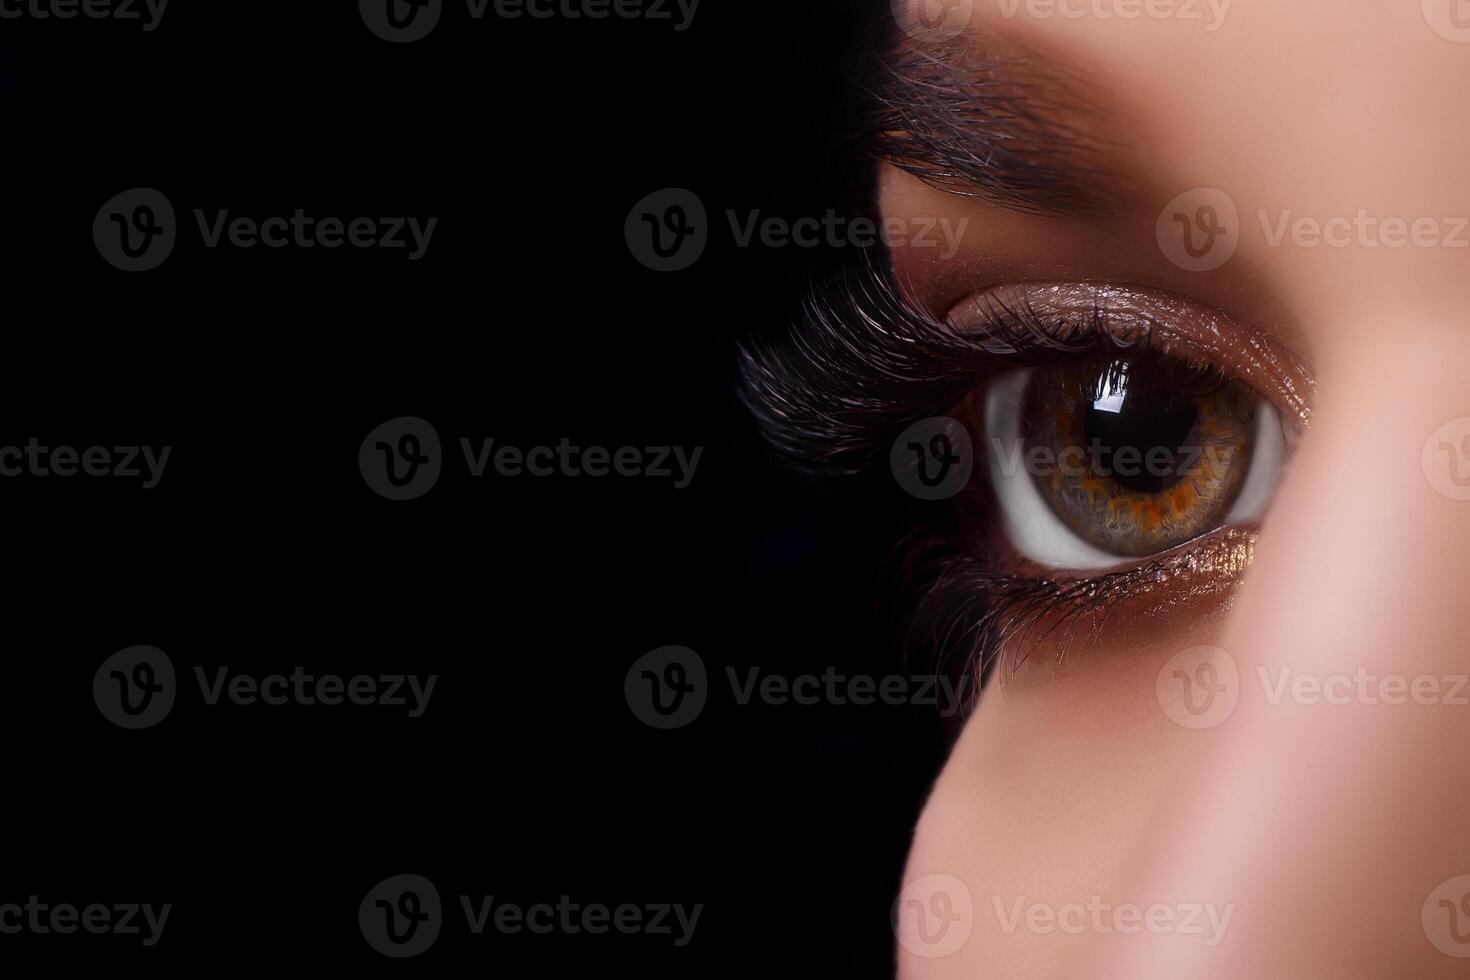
{"points": [[1029, 615]]}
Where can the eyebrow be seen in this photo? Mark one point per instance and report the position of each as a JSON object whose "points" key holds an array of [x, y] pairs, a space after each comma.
{"points": [[1018, 131]]}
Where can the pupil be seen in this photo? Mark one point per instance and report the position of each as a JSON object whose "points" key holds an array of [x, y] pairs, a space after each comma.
{"points": [[1153, 425]]}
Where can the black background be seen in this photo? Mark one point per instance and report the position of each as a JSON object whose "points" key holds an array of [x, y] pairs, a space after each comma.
{"points": [[528, 321]]}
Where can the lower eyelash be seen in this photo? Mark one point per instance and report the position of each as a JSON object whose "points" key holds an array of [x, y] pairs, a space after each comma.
{"points": [[966, 610]]}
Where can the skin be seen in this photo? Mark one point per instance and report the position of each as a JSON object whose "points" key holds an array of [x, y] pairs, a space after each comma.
{"points": [[1325, 826]]}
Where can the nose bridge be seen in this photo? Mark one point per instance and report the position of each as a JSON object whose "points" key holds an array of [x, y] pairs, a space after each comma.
{"points": [[1332, 801], [1364, 556]]}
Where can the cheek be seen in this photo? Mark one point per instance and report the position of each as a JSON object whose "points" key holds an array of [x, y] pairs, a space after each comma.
{"points": [[1045, 796]]}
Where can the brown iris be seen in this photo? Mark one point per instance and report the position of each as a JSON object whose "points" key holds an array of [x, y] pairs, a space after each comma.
{"points": [[1137, 456]]}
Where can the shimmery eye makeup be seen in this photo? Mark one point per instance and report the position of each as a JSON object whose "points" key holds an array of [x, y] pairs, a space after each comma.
{"points": [[1136, 318]]}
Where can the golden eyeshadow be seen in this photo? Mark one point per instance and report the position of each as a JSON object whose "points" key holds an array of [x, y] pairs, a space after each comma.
{"points": [[1084, 615]]}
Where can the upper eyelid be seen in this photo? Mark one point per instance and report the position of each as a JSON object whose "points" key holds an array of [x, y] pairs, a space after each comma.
{"points": [[866, 360], [1164, 321]]}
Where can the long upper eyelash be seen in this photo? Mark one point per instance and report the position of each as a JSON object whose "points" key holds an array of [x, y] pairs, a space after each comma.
{"points": [[862, 362]]}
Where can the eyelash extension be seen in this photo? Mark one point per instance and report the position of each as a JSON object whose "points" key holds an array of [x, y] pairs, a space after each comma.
{"points": [[862, 362]]}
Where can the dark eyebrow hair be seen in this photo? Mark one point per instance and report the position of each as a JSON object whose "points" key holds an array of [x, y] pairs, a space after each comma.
{"points": [[1007, 129]]}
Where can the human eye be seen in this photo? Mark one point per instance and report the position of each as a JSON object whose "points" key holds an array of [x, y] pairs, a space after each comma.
{"points": [[1126, 443], [1129, 453]]}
